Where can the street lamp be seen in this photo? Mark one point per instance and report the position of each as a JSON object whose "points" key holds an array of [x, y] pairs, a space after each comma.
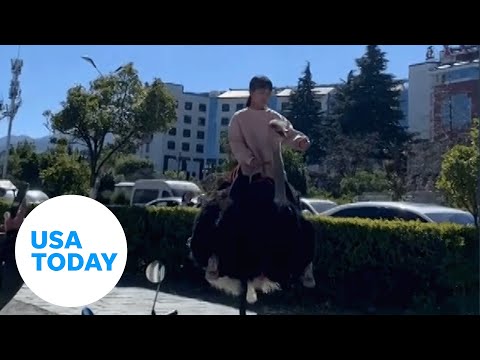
{"points": [[91, 62]]}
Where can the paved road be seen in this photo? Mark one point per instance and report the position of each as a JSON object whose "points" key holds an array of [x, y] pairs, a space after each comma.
{"points": [[122, 300]]}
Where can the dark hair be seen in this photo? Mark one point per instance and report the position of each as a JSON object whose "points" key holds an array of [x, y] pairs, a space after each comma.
{"points": [[257, 83]]}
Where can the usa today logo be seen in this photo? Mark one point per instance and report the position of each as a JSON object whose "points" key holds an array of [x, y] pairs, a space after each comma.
{"points": [[71, 251]]}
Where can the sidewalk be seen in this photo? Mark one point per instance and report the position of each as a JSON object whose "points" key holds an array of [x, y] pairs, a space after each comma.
{"points": [[121, 301]]}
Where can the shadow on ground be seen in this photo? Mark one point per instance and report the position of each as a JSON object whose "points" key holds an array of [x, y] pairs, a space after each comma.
{"points": [[301, 302]]}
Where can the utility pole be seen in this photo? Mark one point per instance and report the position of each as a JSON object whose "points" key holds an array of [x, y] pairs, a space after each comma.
{"points": [[11, 110]]}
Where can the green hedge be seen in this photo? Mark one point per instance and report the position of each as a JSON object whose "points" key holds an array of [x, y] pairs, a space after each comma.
{"points": [[390, 264], [357, 263]]}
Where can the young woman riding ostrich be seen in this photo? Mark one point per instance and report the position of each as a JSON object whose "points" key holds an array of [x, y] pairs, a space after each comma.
{"points": [[259, 231]]}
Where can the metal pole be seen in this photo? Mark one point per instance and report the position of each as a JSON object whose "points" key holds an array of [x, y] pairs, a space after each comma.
{"points": [[15, 102], [9, 136]]}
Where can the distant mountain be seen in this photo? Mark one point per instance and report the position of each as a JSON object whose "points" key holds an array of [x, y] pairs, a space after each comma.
{"points": [[41, 144]]}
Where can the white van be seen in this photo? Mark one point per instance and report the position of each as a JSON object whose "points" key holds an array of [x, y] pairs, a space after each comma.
{"points": [[124, 187], [145, 191]]}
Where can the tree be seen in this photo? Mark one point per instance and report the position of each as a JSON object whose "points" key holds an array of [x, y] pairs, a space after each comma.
{"points": [[174, 175], [295, 169], [304, 110], [118, 106], [134, 168], [364, 181], [305, 114], [230, 163], [64, 173], [459, 174], [24, 164], [370, 103]]}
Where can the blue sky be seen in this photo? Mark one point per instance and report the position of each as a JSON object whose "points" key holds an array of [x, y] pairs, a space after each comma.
{"points": [[50, 70]]}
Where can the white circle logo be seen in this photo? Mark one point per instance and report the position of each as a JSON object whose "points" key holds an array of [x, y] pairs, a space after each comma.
{"points": [[71, 251]]}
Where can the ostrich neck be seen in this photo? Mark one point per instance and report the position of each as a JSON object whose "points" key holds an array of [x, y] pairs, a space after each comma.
{"points": [[279, 176]]}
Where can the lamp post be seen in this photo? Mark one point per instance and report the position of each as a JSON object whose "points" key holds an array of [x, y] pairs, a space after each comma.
{"points": [[96, 186], [91, 62], [94, 65]]}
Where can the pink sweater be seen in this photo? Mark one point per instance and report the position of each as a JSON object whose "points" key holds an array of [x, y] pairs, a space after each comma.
{"points": [[250, 137]]}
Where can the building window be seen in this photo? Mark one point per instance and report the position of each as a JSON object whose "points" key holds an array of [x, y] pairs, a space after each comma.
{"points": [[172, 131], [176, 104], [171, 145], [188, 105], [186, 133], [202, 107], [284, 106], [225, 121], [200, 135], [201, 121], [456, 112], [147, 147], [187, 119], [240, 106], [225, 107], [199, 148], [185, 147], [471, 73]]}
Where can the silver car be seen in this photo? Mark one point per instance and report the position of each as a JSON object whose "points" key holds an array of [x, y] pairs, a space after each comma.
{"points": [[389, 210], [316, 206]]}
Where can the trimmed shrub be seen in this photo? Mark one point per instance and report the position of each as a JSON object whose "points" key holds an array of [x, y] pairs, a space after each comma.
{"points": [[358, 262]]}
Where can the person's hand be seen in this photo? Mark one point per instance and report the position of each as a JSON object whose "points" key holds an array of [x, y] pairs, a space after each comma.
{"points": [[303, 144]]}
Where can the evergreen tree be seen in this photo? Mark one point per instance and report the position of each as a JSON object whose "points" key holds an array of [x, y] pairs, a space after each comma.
{"points": [[370, 102], [304, 110], [306, 115]]}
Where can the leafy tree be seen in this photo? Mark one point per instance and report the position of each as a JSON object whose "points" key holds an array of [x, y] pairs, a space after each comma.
{"points": [[230, 162], [174, 175], [64, 173], [24, 164], [364, 181], [459, 176], [296, 170], [134, 168], [119, 106]]}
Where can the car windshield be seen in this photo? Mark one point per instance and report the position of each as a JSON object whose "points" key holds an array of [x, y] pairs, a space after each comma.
{"points": [[321, 206], [455, 218]]}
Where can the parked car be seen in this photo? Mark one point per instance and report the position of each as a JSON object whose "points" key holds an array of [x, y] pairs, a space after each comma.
{"points": [[316, 206], [168, 202], [390, 210], [148, 190], [171, 201], [35, 197]]}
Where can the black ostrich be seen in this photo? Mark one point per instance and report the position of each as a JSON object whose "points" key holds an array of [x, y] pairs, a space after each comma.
{"points": [[262, 241]]}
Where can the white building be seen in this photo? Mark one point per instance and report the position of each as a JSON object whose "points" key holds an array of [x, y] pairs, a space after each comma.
{"points": [[184, 146], [193, 143], [443, 94]]}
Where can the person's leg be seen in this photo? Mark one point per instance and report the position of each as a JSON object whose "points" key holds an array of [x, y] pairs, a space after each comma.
{"points": [[10, 280]]}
